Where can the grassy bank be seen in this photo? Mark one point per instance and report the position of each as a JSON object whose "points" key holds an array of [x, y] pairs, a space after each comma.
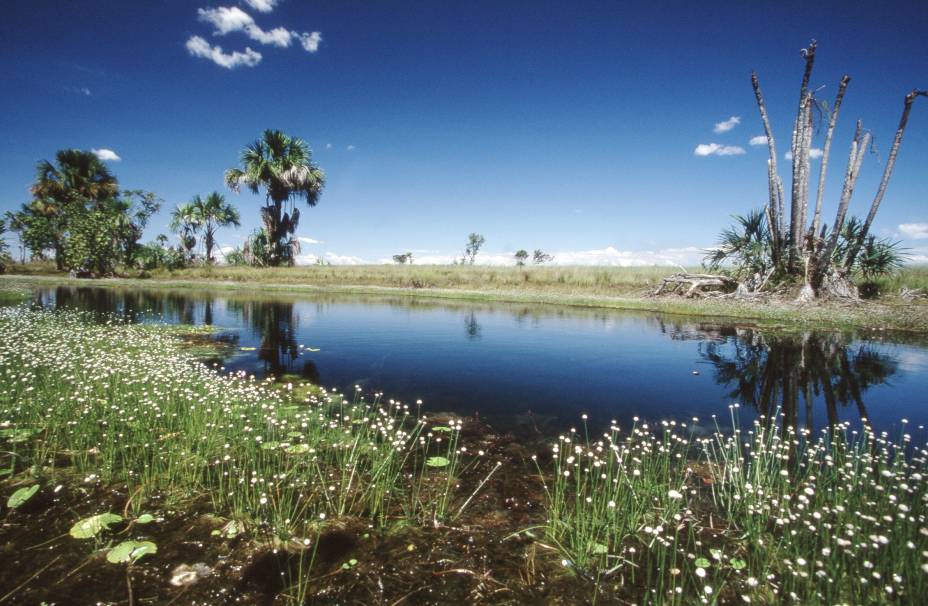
{"points": [[615, 288], [283, 493]]}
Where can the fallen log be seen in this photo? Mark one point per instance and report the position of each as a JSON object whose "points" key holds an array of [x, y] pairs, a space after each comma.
{"points": [[693, 285]]}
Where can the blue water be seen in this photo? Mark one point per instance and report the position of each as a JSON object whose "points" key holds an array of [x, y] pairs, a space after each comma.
{"points": [[544, 366]]}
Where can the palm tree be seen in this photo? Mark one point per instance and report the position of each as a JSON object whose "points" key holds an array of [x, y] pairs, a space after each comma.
{"points": [[77, 179], [212, 213], [185, 223], [282, 165]]}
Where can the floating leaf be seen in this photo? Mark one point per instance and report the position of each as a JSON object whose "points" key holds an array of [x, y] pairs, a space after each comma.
{"points": [[437, 462], [270, 445], [442, 428], [298, 449], [703, 563], [130, 551], [738, 564], [145, 518], [21, 496], [94, 525]]}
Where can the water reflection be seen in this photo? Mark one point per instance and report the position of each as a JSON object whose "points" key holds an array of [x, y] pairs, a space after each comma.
{"points": [[790, 373], [556, 362], [277, 325]]}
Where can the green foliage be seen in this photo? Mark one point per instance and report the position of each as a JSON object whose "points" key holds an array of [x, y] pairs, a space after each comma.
{"points": [[521, 255], [403, 258], [745, 248], [96, 237]]}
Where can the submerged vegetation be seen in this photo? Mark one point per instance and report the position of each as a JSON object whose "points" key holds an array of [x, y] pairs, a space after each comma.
{"points": [[309, 495]]}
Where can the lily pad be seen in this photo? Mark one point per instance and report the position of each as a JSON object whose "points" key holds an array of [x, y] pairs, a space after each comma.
{"points": [[94, 525], [130, 552], [703, 563], [270, 445], [437, 462], [145, 518], [298, 449], [738, 564], [21, 496]]}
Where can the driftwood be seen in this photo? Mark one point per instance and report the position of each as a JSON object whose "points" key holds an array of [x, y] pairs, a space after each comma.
{"points": [[694, 285]]}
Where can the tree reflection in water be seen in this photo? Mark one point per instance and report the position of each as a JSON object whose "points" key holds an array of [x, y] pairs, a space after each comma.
{"points": [[780, 372], [278, 324]]}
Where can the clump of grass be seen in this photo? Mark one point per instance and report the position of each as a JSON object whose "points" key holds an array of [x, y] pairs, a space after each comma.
{"points": [[768, 515]]}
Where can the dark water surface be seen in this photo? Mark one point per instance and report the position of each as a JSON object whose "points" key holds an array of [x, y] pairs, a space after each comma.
{"points": [[544, 366]]}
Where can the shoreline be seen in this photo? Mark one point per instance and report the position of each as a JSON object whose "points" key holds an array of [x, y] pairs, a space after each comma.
{"points": [[908, 317]]}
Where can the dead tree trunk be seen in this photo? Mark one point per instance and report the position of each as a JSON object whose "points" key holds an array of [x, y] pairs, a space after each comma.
{"points": [[884, 182], [799, 151], [774, 184], [824, 262], [826, 150]]}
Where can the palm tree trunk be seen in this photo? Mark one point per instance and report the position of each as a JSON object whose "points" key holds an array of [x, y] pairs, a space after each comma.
{"points": [[887, 172], [826, 150], [799, 150], [774, 184], [858, 149]]}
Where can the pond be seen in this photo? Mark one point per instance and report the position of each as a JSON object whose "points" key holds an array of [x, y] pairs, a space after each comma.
{"points": [[539, 368]]}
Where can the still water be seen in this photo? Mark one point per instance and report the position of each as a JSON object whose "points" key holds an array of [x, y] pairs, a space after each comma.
{"points": [[541, 367]]}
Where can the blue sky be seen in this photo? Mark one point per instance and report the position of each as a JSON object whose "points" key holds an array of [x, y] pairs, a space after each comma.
{"points": [[570, 127]]}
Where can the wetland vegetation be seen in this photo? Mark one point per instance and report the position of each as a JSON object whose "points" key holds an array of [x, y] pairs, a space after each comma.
{"points": [[133, 470]]}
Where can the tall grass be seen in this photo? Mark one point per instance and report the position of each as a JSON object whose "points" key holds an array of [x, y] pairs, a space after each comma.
{"points": [[768, 515]]}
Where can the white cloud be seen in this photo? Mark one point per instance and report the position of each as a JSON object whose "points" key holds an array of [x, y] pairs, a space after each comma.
{"points": [[914, 231], [328, 146], [310, 41], [198, 47], [107, 155], [758, 140], [727, 125], [233, 19], [350, 148], [279, 36], [814, 154], [262, 6], [226, 19], [716, 149], [306, 240]]}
